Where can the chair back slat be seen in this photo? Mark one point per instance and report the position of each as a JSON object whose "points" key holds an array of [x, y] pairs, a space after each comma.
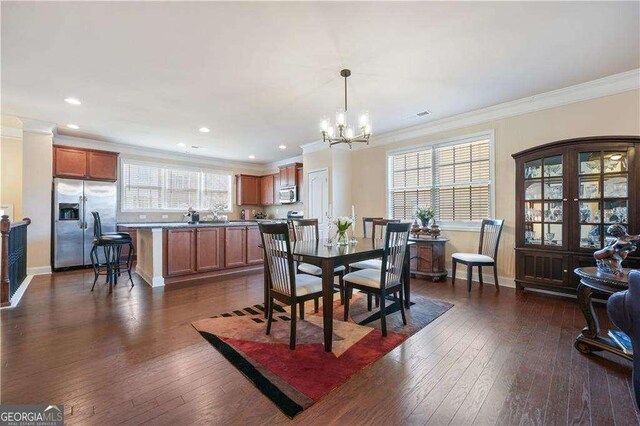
{"points": [[490, 232], [97, 225], [379, 228], [305, 229], [395, 248], [278, 257], [367, 223]]}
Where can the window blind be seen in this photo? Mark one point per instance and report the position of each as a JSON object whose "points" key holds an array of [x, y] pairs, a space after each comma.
{"points": [[148, 187], [453, 179]]}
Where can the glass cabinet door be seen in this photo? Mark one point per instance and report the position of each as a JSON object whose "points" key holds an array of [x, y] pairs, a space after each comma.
{"points": [[602, 199], [543, 195]]}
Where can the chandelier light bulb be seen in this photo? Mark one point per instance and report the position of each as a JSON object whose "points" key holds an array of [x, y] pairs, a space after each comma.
{"points": [[364, 119], [341, 118], [349, 133], [324, 124], [330, 131], [367, 129]]}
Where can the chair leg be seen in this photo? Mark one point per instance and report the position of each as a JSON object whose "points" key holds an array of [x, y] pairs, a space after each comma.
{"points": [[301, 310], [341, 284], [383, 315], [469, 273], [292, 338], [495, 276], [316, 304], [270, 315], [453, 272], [130, 263], [369, 301], [347, 297], [377, 298], [404, 316], [480, 275]]}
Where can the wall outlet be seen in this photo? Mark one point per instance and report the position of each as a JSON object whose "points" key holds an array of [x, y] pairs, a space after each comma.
{"points": [[165, 216], [142, 216]]}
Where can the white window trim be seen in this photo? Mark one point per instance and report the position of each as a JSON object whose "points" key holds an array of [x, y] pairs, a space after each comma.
{"points": [[458, 225], [125, 160]]}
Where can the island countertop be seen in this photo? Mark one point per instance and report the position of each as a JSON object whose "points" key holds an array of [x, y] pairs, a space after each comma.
{"points": [[173, 225]]}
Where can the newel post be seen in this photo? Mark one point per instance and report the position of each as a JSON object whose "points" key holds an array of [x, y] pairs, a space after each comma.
{"points": [[5, 228]]}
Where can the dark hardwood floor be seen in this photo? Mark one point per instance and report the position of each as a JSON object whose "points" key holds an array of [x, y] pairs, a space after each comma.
{"points": [[132, 357]]}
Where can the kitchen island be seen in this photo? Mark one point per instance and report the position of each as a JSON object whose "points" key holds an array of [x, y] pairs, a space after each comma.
{"points": [[178, 252]]}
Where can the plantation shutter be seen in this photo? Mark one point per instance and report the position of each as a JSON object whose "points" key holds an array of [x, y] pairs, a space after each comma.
{"points": [[452, 179], [142, 188]]}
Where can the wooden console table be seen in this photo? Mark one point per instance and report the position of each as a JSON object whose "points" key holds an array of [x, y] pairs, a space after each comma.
{"points": [[593, 283], [428, 257]]}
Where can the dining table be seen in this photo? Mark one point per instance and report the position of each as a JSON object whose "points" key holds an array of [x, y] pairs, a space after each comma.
{"points": [[328, 257]]}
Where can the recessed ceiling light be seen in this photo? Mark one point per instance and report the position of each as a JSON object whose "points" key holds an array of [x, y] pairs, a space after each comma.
{"points": [[72, 101], [282, 147], [73, 126], [204, 130], [252, 157], [181, 144]]}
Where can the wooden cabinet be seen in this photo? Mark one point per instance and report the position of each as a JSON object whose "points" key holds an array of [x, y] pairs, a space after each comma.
{"points": [[300, 183], [568, 193], [247, 190], [254, 252], [209, 249], [267, 191], [79, 163], [428, 257], [235, 247], [276, 188], [288, 174], [180, 246]]}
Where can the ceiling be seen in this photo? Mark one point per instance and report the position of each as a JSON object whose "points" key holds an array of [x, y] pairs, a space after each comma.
{"points": [[262, 74]]}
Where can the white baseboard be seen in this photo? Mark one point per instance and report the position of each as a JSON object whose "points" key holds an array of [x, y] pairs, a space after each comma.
{"points": [[39, 270], [487, 276], [153, 282], [15, 299]]}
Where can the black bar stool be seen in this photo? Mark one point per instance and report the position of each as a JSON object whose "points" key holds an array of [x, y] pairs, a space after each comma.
{"points": [[111, 243]]}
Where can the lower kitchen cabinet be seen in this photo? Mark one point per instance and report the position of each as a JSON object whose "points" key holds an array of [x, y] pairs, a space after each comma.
{"points": [[209, 249], [180, 249], [254, 251], [235, 247]]}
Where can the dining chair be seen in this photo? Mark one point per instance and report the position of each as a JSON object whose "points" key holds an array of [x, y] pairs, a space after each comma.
{"points": [[487, 255], [285, 285], [368, 220], [307, 230], [378, 228], [386, 280]]}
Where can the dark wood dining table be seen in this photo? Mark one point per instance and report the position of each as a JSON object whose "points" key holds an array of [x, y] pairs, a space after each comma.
{"points": [[328, 258]]}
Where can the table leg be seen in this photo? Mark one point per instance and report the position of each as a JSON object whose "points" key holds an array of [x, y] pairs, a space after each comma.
{"points": [[267, 285], [327, 302], [585, 293], [406, 272]]}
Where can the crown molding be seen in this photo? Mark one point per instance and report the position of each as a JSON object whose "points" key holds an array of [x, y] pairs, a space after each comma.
{"points": [[272, 167], [10, 132], [606, 86], [127, 149], [39, 127]]}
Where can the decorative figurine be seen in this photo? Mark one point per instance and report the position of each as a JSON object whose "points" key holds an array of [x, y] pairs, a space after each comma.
{"points": [[609, 259], [435, 229]]}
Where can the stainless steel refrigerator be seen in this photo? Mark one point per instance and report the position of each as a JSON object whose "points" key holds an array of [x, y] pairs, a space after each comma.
{"points": [[73, 202]]}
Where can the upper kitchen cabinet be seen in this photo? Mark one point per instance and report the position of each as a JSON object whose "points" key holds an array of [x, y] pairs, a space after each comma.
{"points": [[300, 182], [267, 190], [79, 163], [288, 174], [248, 190]]}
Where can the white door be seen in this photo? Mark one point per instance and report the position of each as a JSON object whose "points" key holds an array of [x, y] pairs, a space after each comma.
{"points": [[319, 198]]}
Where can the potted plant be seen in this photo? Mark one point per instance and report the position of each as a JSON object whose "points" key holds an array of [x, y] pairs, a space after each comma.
{"points": [[343, 223], [425, 215]]}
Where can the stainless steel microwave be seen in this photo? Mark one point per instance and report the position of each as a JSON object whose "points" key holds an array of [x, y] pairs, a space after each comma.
{"points": [[288, 195]]}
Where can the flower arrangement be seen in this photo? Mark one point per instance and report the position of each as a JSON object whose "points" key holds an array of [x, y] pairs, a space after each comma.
{"points": [[343, 223], [425, 215]]}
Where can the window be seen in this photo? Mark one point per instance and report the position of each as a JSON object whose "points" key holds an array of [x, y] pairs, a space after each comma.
{"points": [[151, 187], [453, 178]]}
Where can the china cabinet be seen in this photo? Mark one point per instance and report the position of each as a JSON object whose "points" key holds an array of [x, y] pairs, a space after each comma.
{"points": [[567, 194]]}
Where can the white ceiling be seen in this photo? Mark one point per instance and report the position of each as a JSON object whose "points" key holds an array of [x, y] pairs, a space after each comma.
{"points": [[262, 74]]}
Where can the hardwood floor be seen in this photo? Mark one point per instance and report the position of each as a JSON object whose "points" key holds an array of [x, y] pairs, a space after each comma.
{"points": [[132, 357]]}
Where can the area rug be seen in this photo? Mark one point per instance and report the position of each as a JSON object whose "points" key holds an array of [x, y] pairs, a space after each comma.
{"points": [[296, 379]]}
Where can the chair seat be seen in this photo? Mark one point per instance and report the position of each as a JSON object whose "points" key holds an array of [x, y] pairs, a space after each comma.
{"points": [[112, 239], [307, 284], [365, 277], [308, 268], [472, 257], [368, 264]]}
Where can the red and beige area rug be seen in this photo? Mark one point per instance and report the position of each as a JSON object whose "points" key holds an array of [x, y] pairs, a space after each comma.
{"points": [[295, 380]]}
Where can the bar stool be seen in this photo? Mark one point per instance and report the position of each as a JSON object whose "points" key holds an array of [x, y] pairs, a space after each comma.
{"points": [[112, 244]]}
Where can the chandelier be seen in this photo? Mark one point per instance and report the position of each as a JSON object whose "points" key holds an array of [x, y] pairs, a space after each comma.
{"points": [[344, 133]]}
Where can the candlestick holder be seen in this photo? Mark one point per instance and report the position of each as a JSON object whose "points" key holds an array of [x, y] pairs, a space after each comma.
{"points": [[353, 239]]}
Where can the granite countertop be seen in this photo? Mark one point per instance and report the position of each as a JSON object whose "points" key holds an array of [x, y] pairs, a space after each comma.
{"points": [[151, 225]]}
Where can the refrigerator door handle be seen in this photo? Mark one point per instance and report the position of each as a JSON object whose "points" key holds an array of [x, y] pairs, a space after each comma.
{"points": [[81, 212]]}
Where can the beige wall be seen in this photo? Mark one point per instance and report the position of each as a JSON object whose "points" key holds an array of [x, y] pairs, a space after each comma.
{"points": [[338, 162], [611, 115], [11, 174], [36, 198]]}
